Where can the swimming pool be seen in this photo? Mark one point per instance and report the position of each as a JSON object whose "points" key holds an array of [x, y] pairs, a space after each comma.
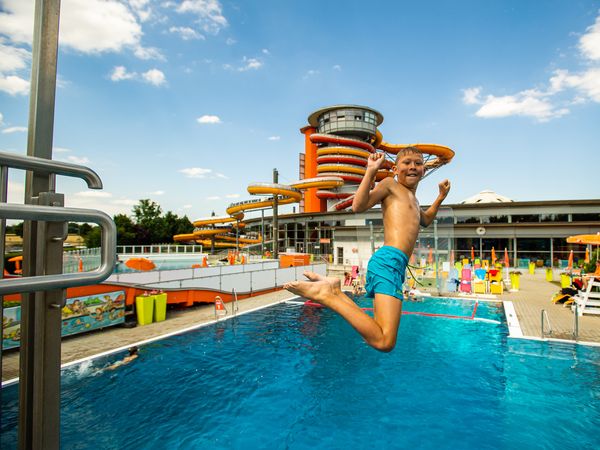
{"points": [[292, 376]]}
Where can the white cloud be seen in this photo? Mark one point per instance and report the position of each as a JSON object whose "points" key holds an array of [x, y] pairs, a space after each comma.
{"points": [[589, 43], [86, 26], [146, 53], [220, 175], [93, 194], [13, 129], [266, 51], [61, 149], [124, 202], [586, 83], [158, 193], [213, 197], [337, 67], [154, 77], [250, 64], [565, 88], [195, 172], [14, 85], [120, 73], [77, 159], [232, 196], [142, 9], [471, 96], [310, 73], [230, 41], [526, 103], [186, 33], [208, 119], [274, 138], [15, 192], [13, 58], [1, 119], [188, 206], [209, 14]]}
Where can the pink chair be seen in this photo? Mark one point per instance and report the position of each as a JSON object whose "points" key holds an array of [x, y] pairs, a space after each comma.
{"points": [[465, 281]]}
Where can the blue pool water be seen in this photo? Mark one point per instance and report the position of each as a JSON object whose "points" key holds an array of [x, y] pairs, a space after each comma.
{"points": [[292, 376]]}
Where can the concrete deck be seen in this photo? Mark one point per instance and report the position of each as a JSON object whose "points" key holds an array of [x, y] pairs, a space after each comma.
{"points": [[534, 295]]}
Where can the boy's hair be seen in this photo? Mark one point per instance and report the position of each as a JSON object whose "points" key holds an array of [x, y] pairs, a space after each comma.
{"points": [[408, 151]]}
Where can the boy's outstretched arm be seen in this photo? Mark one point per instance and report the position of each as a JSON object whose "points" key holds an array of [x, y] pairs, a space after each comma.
{"points": [[366, 198], [428, 215]]}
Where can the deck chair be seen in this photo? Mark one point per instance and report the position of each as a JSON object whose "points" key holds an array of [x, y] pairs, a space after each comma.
{"points": [[480, 283], [465, 280], [496, 284]]}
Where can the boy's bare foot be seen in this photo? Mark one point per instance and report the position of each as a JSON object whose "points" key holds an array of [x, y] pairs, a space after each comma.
{"points": [[319, 289]]}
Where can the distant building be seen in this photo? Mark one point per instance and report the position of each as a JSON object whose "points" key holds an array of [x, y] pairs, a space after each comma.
{"points": [[533, 230]]}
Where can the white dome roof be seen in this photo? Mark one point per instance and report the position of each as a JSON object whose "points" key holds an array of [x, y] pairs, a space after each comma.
{"points": [[487, 196]]}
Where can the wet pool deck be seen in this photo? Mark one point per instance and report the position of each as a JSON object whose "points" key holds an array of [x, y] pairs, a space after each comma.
{"points": [[534, 295]]}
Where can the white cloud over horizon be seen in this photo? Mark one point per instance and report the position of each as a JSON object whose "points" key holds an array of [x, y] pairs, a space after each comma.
{"points": [[563, 90], [208, 119], [9, 130]]}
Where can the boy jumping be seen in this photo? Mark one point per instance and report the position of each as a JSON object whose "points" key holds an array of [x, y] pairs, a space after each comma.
{"points": [[402, 216]]}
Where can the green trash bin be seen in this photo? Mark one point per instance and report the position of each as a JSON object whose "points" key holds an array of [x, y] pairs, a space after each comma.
{"points": [[144, 306], [160, 307]]}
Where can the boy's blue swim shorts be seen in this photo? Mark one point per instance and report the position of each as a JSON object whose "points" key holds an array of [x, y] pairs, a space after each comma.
{"points": [[386, 272]]}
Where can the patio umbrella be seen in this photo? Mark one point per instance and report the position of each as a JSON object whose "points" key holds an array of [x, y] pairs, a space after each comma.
{"points": [[587, 255], [430, 256], [472, 255], [588, 239], [17, 260], [452, 257], [493, 256], [140, 264], [570, 262], [506, 260]]}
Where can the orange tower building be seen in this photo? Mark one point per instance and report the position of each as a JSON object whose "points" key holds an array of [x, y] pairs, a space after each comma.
{"points": [[337, 142]]}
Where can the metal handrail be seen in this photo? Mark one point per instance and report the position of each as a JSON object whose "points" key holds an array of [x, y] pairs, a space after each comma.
{"points": [[234, 307], [544, 313], [42, 165], [58, 214]]}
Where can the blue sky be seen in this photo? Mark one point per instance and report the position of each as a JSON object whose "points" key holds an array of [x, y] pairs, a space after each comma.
{"points": [[186, 102]]}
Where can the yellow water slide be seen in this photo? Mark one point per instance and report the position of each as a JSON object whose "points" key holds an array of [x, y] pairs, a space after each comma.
{"points": [[219, 231]]}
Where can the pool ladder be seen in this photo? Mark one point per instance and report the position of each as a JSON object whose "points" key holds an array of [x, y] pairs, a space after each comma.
{"points": [[544, 319]]}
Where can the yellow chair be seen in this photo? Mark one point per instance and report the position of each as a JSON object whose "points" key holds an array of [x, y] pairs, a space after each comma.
{"points": [[479, 287]]}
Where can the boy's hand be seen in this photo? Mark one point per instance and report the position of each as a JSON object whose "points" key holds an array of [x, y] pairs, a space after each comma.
{"points": [[444, 187], [375, 161]]}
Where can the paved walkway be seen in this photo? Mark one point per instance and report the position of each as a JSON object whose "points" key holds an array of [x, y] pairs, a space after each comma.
{"points": [[534, 295]]}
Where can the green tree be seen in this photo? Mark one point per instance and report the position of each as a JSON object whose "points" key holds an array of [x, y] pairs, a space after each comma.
{"points": [[15, 229], [149, 222], [93, 238], [126, 230]]}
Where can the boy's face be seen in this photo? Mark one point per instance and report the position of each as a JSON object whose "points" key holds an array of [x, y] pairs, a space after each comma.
{"points": [[409, 169]]}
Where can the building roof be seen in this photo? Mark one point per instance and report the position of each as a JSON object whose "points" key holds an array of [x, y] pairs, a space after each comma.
{"points": [[486, 196]]}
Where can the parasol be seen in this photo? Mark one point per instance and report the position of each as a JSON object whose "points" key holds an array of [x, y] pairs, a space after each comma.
{"points": [[430, 256], [494, 256], [473, 255], [140, 264], [570, 262]]}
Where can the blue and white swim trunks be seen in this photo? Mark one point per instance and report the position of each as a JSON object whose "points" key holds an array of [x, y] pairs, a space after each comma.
{"points": [[386, 272]]}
